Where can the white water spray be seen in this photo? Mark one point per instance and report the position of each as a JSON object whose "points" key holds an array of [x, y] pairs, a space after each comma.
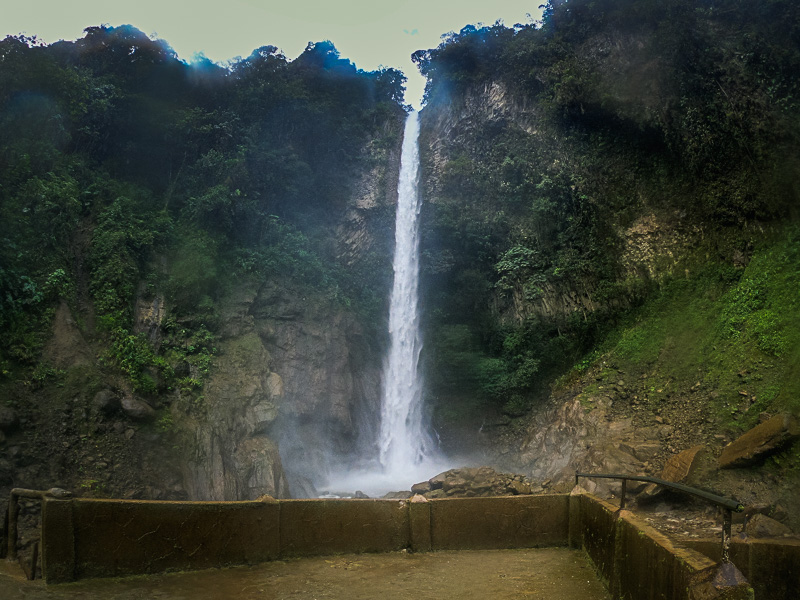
{"points": [[407, 452], [404, 444]]}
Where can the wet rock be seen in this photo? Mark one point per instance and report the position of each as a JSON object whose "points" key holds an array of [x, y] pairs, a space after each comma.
{"points": [[644, 451], [437, 482], [724, 582], [455, 483], [609, 457], [137, 409], [519, 487], [398, 495], [105, 401], [6, 472], [329, 377], [233, 458], [302, 487], [8, 419], [257, 470], [471, 482], [761, 526], [677, 469], [779, 513], [149, 315], [421, 488], [761, 441]]}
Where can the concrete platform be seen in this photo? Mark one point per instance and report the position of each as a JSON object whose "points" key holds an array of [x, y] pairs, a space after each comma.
{"points": [[536, 574]]}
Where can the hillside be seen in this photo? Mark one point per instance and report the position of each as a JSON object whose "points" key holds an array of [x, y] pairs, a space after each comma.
{"points": [[195, 259], [188, 254], [612, 251]]}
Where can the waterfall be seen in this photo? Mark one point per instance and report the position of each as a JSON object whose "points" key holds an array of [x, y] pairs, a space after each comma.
{"points": [[406, 452], [404, 443]]}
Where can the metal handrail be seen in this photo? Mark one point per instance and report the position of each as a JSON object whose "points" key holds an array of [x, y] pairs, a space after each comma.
{"points": [[726, 504]]}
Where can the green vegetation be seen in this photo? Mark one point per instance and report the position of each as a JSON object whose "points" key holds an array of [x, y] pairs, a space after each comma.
{"points": [[128, 176], [736, 332], [611, 115]]}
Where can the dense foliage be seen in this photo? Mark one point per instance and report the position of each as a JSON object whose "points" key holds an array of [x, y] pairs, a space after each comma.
{"points": [[615, 109], [126, 172]]}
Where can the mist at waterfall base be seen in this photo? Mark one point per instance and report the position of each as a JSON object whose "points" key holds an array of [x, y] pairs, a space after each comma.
{"points": [[407, 451]]}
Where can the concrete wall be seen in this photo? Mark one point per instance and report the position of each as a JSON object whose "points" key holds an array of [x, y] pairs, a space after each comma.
{"points": [[637, 562], [771, 566], [484, 523], [109, 538], [102, 538], [314, 527]]}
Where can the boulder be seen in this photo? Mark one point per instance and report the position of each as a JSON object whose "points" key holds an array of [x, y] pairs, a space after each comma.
{"points": [[725, 582], [137, 409], [422, 487], [761, 441], [8, 419], [105, 401], [471, 482], [762, 526], [397, 496], [677, 469]]}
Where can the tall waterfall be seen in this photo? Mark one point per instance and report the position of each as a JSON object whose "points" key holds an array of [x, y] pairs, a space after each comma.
{"points": [[404, 443], [407, 454]]}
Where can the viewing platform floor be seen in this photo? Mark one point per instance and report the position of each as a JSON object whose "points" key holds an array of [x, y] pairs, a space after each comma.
{"points": [[531, 573]]}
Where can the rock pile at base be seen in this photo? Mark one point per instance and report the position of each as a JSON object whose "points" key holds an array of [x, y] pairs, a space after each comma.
{"points": [[474, 482]]}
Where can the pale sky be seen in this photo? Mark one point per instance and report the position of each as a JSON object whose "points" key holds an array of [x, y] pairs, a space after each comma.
{"points": [[370, 33]]}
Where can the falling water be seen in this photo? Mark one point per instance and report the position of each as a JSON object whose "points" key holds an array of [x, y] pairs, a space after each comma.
{"points": [[404, 443], [407, 453]]}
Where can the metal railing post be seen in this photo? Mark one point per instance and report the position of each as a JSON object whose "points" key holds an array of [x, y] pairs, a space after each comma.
{"points": [[727, 519]]}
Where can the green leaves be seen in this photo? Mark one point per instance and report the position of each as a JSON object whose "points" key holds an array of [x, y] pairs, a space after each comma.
{"points": [[121, 242]]}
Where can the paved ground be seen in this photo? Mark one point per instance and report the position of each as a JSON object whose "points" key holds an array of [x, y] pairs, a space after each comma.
{"points": [[538, 574]]}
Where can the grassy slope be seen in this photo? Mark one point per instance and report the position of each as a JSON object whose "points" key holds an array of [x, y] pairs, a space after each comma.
{"points": [[736, 332]]}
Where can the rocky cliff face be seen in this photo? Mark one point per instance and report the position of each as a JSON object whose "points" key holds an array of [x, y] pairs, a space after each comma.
{"points": [[449, 127], [610, 419], [295, 390], [290, 370], [291, 390], [647, 247]]}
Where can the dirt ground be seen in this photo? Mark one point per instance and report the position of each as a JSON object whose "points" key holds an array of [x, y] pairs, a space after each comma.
{"points": [[537, 574]]}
